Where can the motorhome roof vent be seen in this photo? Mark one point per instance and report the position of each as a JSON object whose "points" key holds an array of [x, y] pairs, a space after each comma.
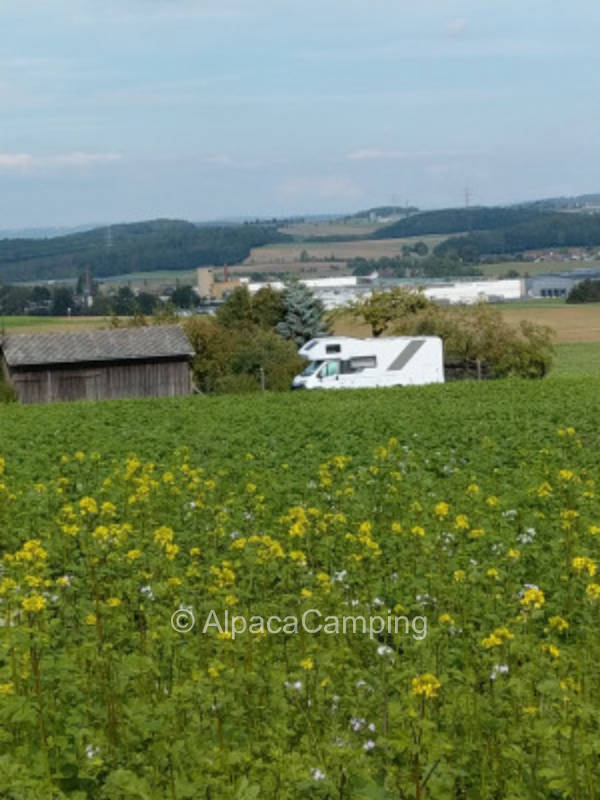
{"points": [[333, 348]]}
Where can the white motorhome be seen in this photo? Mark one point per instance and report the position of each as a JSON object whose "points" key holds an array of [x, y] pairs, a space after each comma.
{"points": [[340, 362]]}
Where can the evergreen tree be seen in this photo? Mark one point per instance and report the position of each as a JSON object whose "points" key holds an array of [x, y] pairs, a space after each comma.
{"points": [[303, 315]]}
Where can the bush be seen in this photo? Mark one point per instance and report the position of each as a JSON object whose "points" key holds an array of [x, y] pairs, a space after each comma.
{"points": [[479, 343], [237, 360]]}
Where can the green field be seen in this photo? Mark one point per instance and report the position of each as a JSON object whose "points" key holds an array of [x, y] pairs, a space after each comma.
{"points": [[575, 359], [460, 522]]}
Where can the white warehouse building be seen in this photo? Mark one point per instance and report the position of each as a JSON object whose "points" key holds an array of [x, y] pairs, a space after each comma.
{"points": [[336, 292]]}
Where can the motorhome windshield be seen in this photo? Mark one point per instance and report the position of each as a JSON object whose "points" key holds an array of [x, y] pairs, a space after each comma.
{"points": [[312, 367]]}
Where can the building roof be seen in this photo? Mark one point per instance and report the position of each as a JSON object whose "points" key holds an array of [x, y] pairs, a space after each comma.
{"points": [[116, 344]]}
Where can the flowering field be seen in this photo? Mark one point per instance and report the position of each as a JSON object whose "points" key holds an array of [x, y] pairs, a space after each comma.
{"points": [[467, 514]]}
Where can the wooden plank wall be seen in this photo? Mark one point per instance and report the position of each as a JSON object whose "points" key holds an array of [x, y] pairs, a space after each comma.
{"points": [[103, 382]]}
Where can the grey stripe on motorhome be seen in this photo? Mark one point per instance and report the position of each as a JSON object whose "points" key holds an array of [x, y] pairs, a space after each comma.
{"points": [[411, 349]]}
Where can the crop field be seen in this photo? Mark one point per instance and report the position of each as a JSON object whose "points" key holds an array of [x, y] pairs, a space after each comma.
{"points": [[342, 251], [534, 268], [371, 594], [333, 228], [571, 323], [49, 324]]}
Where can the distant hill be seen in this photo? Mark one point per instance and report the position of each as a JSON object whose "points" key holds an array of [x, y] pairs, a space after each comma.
{"points": [[545, 229], [381, 212], [142, 246], [43, 233], [455, 220], [581, 202]]}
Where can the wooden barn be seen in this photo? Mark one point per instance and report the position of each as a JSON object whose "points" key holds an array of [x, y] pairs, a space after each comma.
{"points": [[98, 365]]}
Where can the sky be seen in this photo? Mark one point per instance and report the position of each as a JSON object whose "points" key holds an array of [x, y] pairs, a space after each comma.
{"points": [[122, 110]]}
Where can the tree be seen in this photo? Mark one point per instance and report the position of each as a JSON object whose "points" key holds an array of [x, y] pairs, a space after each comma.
{"points": [[62, 301], [420, 249], [146, 302], [303, 316], [383, 307], [236, 311], [267, 307], [184, 297], [124, 302], [587, 291]]}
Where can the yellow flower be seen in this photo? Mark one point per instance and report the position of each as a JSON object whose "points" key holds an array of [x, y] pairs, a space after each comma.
{"points": [[566, 475], [225, 636], [533, 598], [476, 533], [584, 564], [492, 501], [594, 529], [90, 619], [558, 623], [417, 530], [298, 555], [445, 619], [171, 551], [88, 505], [174, 582], [113, 602], [195, 551], [472, 488], [551, 649], [593, 591], [79, 456], [133, 554], [461, 522], [108, 509], [7, 585], [512, 553], [33, 580], [34, 603], [544, 490], [530, 710], [213, 672], [492, 572], [497, 638], [426, 684], [7, 688], [460, 576], [396, 527], [250, 488], [306, 593], [163, 536], [231, 600], [441, 509], [307, 663]]}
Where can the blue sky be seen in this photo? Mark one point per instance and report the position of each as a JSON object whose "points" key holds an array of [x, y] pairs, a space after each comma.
{"points": [[134, 109]]}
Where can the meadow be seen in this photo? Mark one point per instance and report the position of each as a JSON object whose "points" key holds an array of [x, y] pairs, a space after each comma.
{"points": [[471, 506]]}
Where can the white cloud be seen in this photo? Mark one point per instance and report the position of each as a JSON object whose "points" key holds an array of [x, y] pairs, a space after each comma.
{"points": [[75, 160]]}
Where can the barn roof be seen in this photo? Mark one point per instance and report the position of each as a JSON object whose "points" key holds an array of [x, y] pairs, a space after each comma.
{"points": [[116, 344]]}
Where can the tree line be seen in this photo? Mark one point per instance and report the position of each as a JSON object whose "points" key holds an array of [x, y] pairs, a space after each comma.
{"points": [[545, 230], [122, 249]]}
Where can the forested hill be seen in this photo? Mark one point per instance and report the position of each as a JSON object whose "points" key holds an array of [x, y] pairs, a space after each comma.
{"points": [[456, 220], [141, 246], [545, 230]]}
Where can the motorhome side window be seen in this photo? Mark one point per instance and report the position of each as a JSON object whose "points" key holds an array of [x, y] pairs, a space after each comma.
{"points": [[362, 362], [331, 368]]}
